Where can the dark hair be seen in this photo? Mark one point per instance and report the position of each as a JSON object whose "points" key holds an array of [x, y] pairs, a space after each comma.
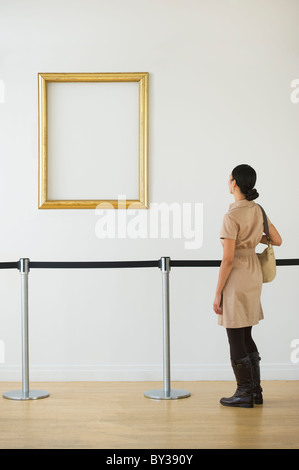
{"points": [[245, 177]]}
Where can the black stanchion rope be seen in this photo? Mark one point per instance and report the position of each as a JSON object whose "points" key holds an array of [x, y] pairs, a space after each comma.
{"points": [[127, 264], [94, 264], [13, 265]]}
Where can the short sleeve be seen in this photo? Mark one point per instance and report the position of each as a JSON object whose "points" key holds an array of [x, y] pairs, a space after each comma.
{"points": [[229, 228]]}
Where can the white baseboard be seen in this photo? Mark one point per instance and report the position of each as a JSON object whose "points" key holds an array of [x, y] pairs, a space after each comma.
{"points": [[140, 372]]}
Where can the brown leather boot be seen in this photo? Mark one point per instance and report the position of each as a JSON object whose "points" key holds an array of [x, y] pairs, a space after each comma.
{"points": [[243, 396], [256, 377]]}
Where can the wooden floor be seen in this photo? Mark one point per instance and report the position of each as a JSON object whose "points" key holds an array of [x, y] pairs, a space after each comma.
{"points": [[116, 415]]}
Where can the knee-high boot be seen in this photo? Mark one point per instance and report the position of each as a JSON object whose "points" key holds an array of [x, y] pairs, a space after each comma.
{"points": [[256, 377], [243, 396]]}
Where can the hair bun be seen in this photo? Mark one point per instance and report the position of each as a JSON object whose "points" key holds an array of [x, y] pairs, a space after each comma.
{"points": [[252, 194]]}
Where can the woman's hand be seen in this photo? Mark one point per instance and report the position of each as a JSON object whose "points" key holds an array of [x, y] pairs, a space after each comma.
{"points": [[216, 304]]}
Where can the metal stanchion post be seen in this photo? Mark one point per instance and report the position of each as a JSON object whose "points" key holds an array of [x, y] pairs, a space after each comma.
{"points": [[166, 393], [25, 393]]}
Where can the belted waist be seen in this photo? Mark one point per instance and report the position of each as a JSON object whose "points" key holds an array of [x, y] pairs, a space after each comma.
{"points": [[244, 251]]}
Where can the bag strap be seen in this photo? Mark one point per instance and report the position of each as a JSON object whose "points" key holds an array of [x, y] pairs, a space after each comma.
{"points": [[266, 226]]}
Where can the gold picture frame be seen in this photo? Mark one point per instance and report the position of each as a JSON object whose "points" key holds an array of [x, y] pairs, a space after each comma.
{"points": [[43, 201]]}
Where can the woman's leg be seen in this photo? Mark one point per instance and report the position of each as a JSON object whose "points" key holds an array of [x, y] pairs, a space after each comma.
{"points": [[236, 339], [249, 343], [241, 342], [255, 366], [243, 397]]}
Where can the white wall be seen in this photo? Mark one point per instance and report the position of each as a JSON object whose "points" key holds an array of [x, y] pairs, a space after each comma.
{"points": [[219, 95]]}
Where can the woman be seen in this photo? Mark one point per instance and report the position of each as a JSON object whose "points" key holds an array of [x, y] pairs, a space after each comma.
{"points": [[238, 292]]}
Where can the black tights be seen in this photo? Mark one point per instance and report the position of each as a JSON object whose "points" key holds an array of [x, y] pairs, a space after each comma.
{"points": [[240, 342]]}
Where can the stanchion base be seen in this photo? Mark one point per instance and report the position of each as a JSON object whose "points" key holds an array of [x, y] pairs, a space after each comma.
{"points": [[31, 395], [162, 395]]}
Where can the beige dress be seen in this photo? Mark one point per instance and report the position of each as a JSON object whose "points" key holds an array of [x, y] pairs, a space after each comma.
{"points": [[241, 299]]}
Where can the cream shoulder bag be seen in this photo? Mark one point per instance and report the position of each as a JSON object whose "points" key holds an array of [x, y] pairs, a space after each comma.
{"points": [[267, 257]]}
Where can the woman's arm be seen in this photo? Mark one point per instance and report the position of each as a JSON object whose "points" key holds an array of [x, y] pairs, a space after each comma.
{"points": [[224, 272], [274, 237]]}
